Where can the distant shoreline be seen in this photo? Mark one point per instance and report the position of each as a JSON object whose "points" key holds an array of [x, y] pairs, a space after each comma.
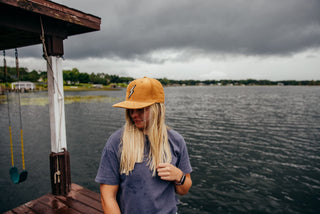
{"points": [[82, 88], [74, 78]]}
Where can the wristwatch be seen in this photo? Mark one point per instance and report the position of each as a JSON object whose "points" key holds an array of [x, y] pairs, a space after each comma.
{"points": [[182, 180]]}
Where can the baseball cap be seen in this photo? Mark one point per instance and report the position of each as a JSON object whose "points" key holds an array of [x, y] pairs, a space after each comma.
{"points": [[142, 93]]}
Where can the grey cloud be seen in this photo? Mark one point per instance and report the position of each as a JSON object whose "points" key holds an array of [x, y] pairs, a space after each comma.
{"points": [[134, 29]]}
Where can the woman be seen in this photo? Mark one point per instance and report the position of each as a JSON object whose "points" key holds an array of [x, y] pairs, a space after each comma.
{"points": [[145, 163]]}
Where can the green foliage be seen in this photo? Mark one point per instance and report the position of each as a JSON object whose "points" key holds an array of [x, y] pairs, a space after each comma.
{"points": [[71, 76], [74, 77], [248, 82], [13, 75], [84, 78]]}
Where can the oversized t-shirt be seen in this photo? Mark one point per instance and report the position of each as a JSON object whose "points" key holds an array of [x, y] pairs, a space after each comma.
{"points": [[140, 192]]}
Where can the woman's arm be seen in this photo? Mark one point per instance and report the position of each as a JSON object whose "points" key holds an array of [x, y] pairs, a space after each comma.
{"points": [[184, 189], [169, 172], [109, 198]]}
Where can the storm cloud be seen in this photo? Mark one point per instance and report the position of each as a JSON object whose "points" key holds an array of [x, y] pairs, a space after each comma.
{"points": [[199, 39], [136, 29]]}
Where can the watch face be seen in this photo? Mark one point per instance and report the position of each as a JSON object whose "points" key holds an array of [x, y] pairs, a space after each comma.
{"points": [[183, 179]]}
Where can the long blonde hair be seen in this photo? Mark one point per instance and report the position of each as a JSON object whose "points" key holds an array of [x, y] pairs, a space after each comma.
{"points": [[133, 140]]}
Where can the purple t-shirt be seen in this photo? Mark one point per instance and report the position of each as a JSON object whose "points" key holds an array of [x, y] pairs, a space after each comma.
{"points": [[140, 192]]}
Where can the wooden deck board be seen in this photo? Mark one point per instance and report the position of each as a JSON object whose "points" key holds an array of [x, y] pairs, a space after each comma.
{"points": [[86, 192], [79, 200], [22, 209]]}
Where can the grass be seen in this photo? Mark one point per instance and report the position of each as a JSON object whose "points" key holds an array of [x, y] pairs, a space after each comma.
{"points": [[69, 99], [88, 88], [42, 101]]}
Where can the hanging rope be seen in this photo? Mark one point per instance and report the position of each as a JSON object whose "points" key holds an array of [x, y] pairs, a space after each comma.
{"points": [[7, 93], [61, 97], [21, 127], [14, 172], [57, 174]]}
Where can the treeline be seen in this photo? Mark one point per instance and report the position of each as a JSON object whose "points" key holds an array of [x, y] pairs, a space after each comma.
{"points": [[239, 82], [24, 75], [73, 77], [70, 77]]}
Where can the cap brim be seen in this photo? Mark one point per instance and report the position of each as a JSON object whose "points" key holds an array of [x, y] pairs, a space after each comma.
{"points": [[132, 104]]}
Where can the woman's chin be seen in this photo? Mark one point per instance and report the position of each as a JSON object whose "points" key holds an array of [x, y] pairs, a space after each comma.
{"points": [[140, 126]]}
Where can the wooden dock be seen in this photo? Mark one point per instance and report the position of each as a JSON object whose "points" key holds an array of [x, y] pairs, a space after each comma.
{"points": [[79, 200], [30, 22]]}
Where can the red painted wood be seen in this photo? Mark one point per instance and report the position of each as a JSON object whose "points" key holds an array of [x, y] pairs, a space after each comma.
{"points": [[78, 201]]}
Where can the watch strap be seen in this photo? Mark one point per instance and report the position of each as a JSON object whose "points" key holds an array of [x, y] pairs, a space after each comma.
{"points": [[182, 180]]}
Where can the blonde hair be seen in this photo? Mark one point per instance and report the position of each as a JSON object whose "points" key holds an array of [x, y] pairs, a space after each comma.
{"points": [[133, 140]]}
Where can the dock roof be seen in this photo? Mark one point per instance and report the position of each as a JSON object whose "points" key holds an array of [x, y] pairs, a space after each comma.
{"points": [[20, 23]]}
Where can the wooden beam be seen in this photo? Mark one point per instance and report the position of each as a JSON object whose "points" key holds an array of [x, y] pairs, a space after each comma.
{"points": [[57, 11], [54, 46]]}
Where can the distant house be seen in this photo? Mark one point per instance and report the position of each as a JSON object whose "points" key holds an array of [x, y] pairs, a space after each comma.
{"points": [[97, 86], [23, 85], [113, 86]]}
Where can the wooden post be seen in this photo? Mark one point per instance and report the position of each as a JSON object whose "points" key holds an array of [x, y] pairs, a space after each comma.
{"points": [[60, 172]]}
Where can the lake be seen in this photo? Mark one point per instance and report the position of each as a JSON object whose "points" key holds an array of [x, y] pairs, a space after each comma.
{"points": [[253, 149]]}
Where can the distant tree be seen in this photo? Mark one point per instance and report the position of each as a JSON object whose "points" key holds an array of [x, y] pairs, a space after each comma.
{"points": [[99, 78], [2, 74], [208, 82], [84, 78], [43, 76], [92, 77], [23, 74], [32, 76], [164, 81], [66, 75], [71, 75], [74, 75], [114, 78], [125, 79]]}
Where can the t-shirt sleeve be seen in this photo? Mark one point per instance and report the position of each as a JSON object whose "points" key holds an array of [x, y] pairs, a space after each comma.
{"points": [[183, 162], [108, 172]]}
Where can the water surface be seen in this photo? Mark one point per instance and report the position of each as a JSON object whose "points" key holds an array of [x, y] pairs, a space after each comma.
{"points": [[252, 149]]}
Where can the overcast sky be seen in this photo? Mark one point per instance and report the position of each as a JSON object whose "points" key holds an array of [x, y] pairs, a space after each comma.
{"points": [[199, 39]]}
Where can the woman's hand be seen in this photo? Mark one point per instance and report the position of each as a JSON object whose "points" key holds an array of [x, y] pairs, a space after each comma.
{"points": [[168, 172]]}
